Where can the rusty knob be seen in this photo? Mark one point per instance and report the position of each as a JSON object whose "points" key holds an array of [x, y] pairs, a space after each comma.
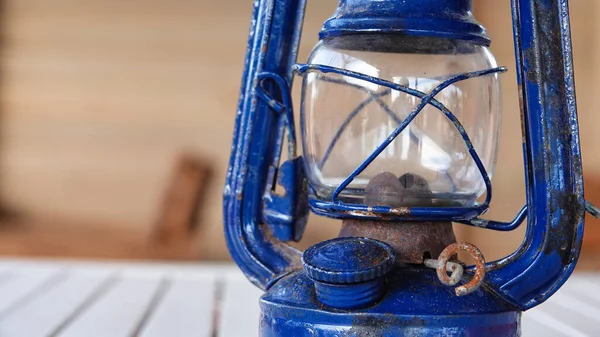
{"points": [[452, 250]]}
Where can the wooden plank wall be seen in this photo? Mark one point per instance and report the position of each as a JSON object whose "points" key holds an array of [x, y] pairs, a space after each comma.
{"points": [[97, 98]]}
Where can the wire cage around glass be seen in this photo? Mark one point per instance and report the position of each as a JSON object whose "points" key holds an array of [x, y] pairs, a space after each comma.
{"points": [[421, 112]]}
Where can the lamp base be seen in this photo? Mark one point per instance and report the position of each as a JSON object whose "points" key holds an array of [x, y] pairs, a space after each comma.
{"points": [[415, 304]]}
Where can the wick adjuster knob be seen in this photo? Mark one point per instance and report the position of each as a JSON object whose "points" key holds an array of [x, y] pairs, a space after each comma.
{"points": [[348, 272]]}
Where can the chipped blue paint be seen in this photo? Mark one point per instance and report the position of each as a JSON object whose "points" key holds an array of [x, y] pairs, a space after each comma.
{"points": [[272, 47], [258, 222], [439, 18]]}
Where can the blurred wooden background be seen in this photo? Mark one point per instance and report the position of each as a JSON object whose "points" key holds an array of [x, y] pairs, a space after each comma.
{"points": [[98, 99]]}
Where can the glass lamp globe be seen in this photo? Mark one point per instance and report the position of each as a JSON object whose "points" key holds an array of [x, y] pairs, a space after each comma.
{"points": [[344, 119]]}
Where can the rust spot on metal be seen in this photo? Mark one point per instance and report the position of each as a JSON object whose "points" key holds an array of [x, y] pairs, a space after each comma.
{"points": [[455, 269], [571, 211], [291, 254], [451, 251], [522, 109], [400, 211], [410, 240], [394, 212], [384, 325]]}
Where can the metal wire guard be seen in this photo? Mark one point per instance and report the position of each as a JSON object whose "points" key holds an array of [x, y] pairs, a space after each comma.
{"points": [[467, 215]]}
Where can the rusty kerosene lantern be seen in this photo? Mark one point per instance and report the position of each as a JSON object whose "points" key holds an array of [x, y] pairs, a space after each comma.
{"points": [[400, 117]]}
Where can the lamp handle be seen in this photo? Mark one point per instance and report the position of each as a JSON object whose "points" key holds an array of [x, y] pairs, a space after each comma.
{"points": [[553, 168], [272, 47]]}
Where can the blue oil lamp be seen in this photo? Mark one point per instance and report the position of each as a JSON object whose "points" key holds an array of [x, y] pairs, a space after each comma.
{"points": [[399, 121]]}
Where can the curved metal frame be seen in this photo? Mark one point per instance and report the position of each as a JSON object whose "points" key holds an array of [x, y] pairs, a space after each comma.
{"points": [[272, 47]]}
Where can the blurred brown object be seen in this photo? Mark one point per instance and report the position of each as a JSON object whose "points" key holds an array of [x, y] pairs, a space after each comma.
{"points": [[64, 238], [172, 236], [181, 203]]}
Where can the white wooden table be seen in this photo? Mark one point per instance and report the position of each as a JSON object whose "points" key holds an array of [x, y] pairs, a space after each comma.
{"points": [[92, 299]]}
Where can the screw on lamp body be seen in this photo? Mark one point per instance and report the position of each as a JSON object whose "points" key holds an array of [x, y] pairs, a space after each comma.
{"points": [[348, 272]]}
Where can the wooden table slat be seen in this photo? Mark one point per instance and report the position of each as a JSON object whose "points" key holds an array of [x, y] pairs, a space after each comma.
{"points": [[24, 283], [586, 285], [186, 309], [240, 313], [533, 328], [549, 322], [570, 311], [45, 313], [118, 312]]}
